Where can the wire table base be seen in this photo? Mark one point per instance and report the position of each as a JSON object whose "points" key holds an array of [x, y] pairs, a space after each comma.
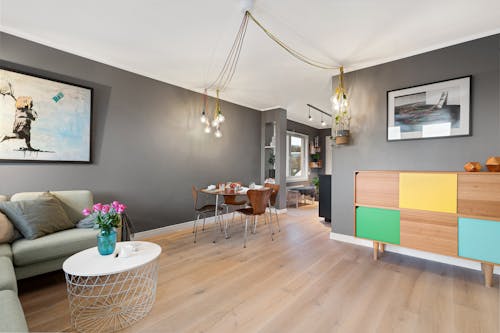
{"points": [[109, 303]]}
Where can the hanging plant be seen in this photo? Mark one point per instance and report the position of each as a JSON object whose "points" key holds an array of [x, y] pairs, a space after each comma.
{"points": [[340, 105]]}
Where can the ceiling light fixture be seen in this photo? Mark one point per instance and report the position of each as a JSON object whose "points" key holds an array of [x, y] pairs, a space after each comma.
{"points": [[340, 105], [323, 122], [310, 118], [203, 117], [226, 74]]}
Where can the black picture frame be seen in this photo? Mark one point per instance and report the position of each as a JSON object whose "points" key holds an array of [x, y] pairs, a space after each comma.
{"points": [[416, 112], [34, 156]]}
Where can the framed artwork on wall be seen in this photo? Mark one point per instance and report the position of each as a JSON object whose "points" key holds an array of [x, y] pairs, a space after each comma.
{"points": [[44, 120], [434, 110]]}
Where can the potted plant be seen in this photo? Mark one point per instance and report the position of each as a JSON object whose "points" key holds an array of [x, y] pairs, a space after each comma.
{"points": [[315, 161], [315, 182], [271, 160], [342, 125], [107, 219]]}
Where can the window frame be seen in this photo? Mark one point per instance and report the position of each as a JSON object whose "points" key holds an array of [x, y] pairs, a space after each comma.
{"points": [[305, 159]]}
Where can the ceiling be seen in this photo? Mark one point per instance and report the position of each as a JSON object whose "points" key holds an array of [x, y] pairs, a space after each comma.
{"points": [[185, 42]]}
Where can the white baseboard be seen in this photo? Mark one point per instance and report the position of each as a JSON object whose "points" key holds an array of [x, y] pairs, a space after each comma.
{"points": [[181, 226], [413, 253]]}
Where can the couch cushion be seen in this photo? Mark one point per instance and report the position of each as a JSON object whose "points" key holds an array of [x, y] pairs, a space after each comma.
{"points": [[73, 202], [7, 275], [60, 244], [37, 218], [11, 313], [6, 229], [5, 251], [3, 198]]}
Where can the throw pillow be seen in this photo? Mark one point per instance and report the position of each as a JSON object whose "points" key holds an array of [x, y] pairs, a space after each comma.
{"points": [[37, 218], [6, 229], [87, 223]]}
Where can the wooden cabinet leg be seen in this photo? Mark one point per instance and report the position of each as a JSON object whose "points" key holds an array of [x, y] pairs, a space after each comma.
{"points": [[487, 269], [381, 247], [375, 250]]}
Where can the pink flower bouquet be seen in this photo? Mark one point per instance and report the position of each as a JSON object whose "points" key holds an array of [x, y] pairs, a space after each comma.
{"points": [[107, 216]]}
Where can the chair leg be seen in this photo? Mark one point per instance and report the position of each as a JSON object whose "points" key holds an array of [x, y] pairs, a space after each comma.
{"points": [[220, 219], [270, 226], [270, 215], [277, 219], [246, 228], [196, 227], [226, 228], [194, 223], [204, 218], [255, 220]]}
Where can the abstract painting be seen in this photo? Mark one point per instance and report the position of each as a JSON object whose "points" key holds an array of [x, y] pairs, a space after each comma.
{"points": [[439, 109], [43, 120]]}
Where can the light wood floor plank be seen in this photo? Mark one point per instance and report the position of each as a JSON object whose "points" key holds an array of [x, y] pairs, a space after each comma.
{"points": [[300, 282]]}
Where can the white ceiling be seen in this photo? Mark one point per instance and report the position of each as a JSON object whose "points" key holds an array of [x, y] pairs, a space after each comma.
{"points": [[185, 42]]}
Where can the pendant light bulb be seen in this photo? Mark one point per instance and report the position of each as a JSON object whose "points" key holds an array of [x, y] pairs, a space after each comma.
{"points": [[207, 129], [215, 123], [221, 118], [203, 117], [218, 133]]}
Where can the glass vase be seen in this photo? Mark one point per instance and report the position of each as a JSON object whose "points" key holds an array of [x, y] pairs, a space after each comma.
{"points": [[106, 242]]}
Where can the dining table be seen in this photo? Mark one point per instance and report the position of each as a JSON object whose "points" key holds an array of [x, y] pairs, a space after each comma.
{"points": [[226, 192]]}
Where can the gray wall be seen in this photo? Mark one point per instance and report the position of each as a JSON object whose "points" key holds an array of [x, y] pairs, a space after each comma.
{"points": [[370, 150], [149, 145], [278, 116]]}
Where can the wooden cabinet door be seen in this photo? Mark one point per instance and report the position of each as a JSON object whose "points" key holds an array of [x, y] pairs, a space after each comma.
{"points": [[479, 195], [429, 231], [377, 188]]}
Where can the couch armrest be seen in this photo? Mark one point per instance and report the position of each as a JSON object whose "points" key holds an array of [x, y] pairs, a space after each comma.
{"points": [[6, 251]]}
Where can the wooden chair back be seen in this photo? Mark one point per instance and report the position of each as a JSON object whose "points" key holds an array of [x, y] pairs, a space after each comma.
{"points": [[231, 199], [275, 190], [194, 191], [258, 200]]}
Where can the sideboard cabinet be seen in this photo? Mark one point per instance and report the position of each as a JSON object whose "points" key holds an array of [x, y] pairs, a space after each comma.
{"points": [[450, 213]]}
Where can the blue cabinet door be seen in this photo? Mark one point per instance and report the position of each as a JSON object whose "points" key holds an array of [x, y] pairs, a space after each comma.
{"points": [[479, 239]]}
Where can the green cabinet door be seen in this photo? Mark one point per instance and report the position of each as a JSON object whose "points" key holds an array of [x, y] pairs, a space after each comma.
{"points": [[378, 224]]}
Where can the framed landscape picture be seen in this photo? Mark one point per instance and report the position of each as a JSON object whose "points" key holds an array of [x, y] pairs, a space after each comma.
{"points": [[439, 109], [44, 120]]}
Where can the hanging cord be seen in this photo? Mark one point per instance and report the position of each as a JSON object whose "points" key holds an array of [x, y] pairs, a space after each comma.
{"points": [[227, 72], [287, 48]]}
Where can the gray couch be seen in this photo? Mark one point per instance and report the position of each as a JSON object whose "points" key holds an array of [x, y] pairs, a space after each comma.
{"points": [[25, 258]]}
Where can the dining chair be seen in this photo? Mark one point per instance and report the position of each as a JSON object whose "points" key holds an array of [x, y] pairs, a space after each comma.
{"points": [[259, 200], [202, 211], [272, 202]]}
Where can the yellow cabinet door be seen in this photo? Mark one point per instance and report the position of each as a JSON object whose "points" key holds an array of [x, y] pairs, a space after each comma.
{"points": [[436, 192]]}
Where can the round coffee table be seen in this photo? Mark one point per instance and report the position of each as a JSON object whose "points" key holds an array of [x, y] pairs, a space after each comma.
{"points": [[108, 293]]}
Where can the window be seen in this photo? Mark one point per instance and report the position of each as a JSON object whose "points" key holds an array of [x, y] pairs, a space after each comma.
{"points": [[296, 157]]}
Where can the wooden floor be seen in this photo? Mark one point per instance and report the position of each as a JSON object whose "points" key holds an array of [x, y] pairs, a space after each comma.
{"points": [[301, 282]]}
